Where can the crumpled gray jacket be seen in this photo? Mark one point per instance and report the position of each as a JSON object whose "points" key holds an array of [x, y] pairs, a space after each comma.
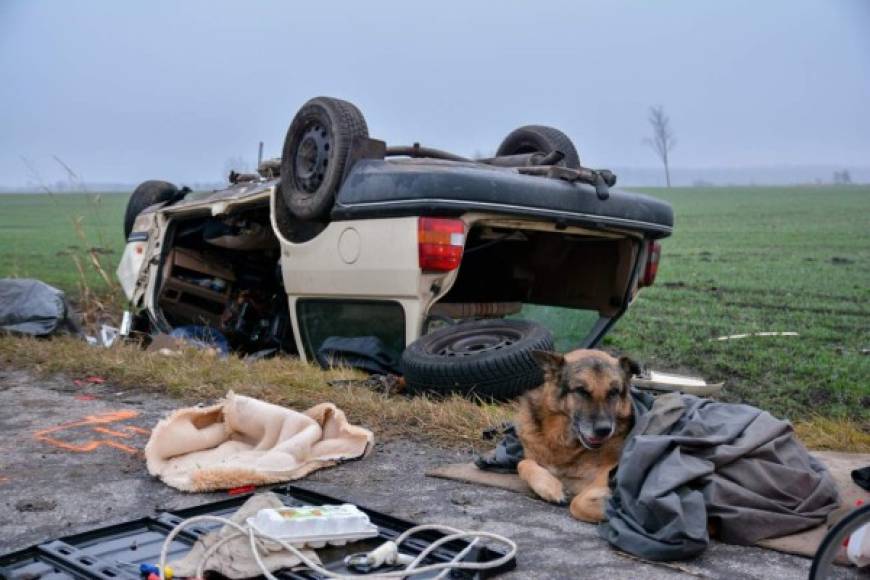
{"points": [[689, 460]]}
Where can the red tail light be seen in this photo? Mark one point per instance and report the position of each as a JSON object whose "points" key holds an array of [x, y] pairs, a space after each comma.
{"points": [[440, 242], [653, 254]]}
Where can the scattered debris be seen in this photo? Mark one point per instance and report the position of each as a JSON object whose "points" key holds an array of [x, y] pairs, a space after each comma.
{"points": [[35, 505], [739, 336], [461, 498], [92, 380], [656, 381], [202, 337], [387, 384], [669, 565], [108, 336]]}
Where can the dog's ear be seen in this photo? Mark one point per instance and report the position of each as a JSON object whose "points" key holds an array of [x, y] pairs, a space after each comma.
{"points": [[550, 362], [629, 367]]}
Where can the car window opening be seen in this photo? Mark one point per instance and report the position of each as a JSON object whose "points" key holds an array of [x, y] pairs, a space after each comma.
{"points": [[321, 319]]}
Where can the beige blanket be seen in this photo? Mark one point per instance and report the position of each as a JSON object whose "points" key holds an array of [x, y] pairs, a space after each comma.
{"points": [[243, 441]]}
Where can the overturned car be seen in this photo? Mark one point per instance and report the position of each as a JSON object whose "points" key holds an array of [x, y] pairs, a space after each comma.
{"points": [[443, 258]]}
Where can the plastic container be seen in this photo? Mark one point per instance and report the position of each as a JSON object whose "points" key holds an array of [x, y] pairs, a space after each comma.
{"points": [[315, 526]]}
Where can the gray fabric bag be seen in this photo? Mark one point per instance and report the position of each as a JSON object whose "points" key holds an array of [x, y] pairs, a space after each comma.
{"points": [[34, 308], [690, 460]]}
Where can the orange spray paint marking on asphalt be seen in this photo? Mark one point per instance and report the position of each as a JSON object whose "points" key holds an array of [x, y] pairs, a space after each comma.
{"points": [[95, 424]]}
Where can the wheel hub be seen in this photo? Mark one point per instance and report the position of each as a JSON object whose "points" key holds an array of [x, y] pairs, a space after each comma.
{"points": [[312, 157], [475, 343]]}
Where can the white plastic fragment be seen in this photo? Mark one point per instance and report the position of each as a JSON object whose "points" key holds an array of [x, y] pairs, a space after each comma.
{"points": [[858, 548], [108, 335], [658, 381], [738, 336]]}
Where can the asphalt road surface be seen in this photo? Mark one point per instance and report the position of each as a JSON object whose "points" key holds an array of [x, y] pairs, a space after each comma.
{"points": [[70, 460]]}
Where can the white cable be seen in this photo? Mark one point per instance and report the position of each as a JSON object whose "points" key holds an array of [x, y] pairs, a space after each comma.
{"points": [[411, 569]]}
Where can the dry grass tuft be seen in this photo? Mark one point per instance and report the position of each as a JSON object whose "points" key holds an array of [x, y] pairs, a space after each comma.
{"points": [[835, 434], [197, 376]]}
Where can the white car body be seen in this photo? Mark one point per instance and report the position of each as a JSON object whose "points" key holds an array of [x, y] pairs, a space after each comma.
{"points": [[363, 259]]}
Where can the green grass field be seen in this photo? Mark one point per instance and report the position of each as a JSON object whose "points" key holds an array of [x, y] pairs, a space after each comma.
{"points": [[764, 259], [741, 260], [40, 239]]}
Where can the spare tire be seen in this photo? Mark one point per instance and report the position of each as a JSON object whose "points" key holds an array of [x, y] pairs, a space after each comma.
{"points": [[145, 195], [491, 359], [316, 149], [540, 139]]}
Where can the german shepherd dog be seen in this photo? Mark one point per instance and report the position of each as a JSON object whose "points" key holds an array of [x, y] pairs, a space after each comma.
{"points": [[573, 426]]}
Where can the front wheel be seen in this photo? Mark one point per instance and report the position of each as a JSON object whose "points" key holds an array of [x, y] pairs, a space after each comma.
{"points": [[491, 359], [147, 194]]}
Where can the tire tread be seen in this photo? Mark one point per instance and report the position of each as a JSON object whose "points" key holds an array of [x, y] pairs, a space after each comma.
{"points": [[500, 375]]}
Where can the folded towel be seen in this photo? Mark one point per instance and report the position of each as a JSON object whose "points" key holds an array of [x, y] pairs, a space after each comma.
{"points": [[243, 441]]}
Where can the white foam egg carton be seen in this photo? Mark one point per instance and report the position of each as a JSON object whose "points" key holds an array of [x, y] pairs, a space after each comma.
{"points": [[315, 526]]}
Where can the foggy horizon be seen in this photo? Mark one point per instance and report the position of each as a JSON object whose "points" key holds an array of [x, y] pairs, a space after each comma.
{"points": [[134, 91]]}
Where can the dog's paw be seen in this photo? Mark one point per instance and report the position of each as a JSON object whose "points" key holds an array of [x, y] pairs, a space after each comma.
{"points": [[552, 492], [559, 500], [542, 482], [589, 505]]}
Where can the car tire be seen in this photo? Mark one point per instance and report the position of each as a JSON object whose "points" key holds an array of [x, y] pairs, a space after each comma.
{"points": [[540, 139], [490, 359], [145, 195], [316, 149]]}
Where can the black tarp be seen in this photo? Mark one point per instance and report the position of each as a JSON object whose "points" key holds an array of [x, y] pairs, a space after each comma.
{"points": [[34, 308]]}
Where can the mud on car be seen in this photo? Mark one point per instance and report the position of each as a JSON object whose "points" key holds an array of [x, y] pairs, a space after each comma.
{"points": [[444, 260]]}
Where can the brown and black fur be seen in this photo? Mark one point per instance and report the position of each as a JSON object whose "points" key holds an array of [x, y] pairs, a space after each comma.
{"points": [[573, 427]]}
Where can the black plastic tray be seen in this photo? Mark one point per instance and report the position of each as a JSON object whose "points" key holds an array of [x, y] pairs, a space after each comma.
{"points": [[115, 552]]}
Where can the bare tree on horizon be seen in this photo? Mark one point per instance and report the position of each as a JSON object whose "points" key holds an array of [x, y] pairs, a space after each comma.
{"points": [[663, 140]]}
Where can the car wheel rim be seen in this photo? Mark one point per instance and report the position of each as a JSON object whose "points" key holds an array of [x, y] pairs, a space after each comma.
{"points": [[312, 157], [474, 343]]}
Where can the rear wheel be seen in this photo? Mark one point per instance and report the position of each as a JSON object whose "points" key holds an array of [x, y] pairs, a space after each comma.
{"points": [[147, 194], [488, 358], [316, 148], [540, 139]]}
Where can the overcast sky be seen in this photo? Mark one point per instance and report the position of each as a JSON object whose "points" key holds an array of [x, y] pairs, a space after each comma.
{"points": [[125, 91]]}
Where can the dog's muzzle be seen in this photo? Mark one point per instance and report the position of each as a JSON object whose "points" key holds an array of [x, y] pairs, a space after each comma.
{"points": [[596, 436]]}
